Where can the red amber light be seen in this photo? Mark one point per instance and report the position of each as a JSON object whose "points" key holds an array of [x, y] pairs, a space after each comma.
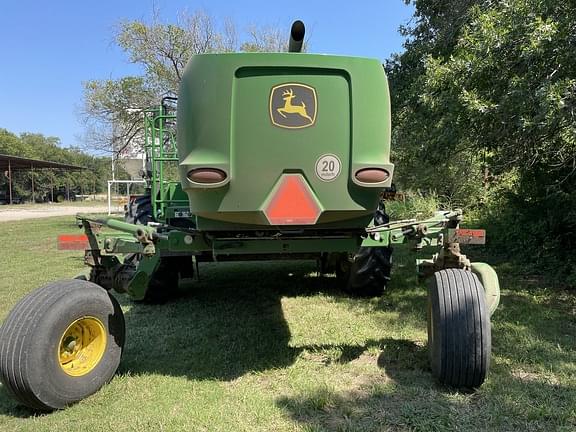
{"points": [[372, 175], [207, 175], [293, 203]]}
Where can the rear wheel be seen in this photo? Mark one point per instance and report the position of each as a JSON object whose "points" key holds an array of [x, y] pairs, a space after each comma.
{"points": [[367, 273], [60, 344], [139, 210], [163, 285], [459, 339]]}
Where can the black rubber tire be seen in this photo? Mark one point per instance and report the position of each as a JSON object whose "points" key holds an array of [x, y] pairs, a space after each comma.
{"points": [[139, 210], [30, 338], [380, 215], [369, 272], [459, 338], [365, 274], [163, 284]]}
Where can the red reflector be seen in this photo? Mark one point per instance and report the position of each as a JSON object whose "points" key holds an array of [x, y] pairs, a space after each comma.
{"points": [[293, 203], [467, 236], [207, 175], [471, 232], [372, 175], [73, 242]]}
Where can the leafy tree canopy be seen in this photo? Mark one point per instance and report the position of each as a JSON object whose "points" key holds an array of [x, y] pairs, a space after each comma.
{"points": [[484, 112], [38, 146], [162, 49]]}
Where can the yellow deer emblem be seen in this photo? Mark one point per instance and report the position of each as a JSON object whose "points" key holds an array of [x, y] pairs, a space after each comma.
{"points": [[288, 108]]}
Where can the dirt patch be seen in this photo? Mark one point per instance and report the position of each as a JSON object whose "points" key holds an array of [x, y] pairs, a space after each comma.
{"points": [[13, 213], [535, 377]]}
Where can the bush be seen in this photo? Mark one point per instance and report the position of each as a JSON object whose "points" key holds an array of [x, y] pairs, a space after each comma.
{"points": [[413, 205], [538, 235]]}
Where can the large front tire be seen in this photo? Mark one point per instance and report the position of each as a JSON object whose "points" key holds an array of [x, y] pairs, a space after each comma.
{"points": [[459, 339], [60, 344]]}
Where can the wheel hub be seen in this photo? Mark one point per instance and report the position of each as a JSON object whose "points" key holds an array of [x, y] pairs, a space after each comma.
{"points": [[82, 346]]}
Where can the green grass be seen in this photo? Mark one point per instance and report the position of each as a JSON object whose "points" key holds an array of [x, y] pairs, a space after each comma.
{"points": [[272, 347]]}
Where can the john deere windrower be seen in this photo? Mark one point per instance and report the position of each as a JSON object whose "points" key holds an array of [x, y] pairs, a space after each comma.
{"points": [[270, 156]]}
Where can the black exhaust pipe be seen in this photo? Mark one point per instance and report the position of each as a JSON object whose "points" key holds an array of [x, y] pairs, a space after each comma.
{"points": [[296, 36]]}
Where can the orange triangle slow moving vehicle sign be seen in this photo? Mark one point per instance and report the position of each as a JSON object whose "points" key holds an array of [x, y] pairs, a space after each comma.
{"points": [[293, 203]]}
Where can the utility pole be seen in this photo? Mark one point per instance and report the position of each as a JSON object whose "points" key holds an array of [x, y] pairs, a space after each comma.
{"points": [[32, 174], [10, 179]]}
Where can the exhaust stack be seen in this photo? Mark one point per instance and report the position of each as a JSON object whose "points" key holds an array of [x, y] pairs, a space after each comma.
{"points": [[296, 36]]}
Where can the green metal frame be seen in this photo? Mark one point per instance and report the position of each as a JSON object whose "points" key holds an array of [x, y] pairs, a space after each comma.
{"points": [[161, 149], [152, 244]]}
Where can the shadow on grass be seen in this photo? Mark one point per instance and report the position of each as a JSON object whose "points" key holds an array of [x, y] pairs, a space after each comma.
{"points": [[9, 407], [230, 324], [531, 385], [416, 405]]}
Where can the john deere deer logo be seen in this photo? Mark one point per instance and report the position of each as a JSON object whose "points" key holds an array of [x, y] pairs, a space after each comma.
{"points": [[293, 105]]}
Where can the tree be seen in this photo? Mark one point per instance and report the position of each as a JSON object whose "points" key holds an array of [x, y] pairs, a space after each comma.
{"points": [[111, 107], [38, 146], [265, 39], [422, 142], [492, 97], [111, 114]]}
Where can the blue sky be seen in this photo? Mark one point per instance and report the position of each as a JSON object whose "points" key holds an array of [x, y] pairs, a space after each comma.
{"points": [[50, 48]]}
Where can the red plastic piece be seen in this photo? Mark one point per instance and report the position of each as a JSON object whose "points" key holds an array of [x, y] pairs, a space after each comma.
{"points": [[72, 242], [471, 232], [293, 203]]}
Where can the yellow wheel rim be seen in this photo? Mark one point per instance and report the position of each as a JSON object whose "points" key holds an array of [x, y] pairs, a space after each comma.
{"points": [[82, 346]]}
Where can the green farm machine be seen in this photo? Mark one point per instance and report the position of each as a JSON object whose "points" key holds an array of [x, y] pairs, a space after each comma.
{"points": [[265, 156]]}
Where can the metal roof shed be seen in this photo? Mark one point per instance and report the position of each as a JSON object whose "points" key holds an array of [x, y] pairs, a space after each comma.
{"points": [[15, 163]]}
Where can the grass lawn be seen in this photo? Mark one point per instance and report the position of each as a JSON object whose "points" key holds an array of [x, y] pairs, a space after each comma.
{"points": [[272, 347]]}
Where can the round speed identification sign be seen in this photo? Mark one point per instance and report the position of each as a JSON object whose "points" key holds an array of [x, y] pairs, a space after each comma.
{"points": [[328, 167]]}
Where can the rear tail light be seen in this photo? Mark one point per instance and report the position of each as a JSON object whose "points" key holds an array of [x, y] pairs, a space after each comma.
{"points": [[372, 175], [207, 175]]}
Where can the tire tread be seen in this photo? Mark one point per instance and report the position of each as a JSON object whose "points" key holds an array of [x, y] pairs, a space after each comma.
{"points": [[15, 334], [370, 272], [460, 354]]}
